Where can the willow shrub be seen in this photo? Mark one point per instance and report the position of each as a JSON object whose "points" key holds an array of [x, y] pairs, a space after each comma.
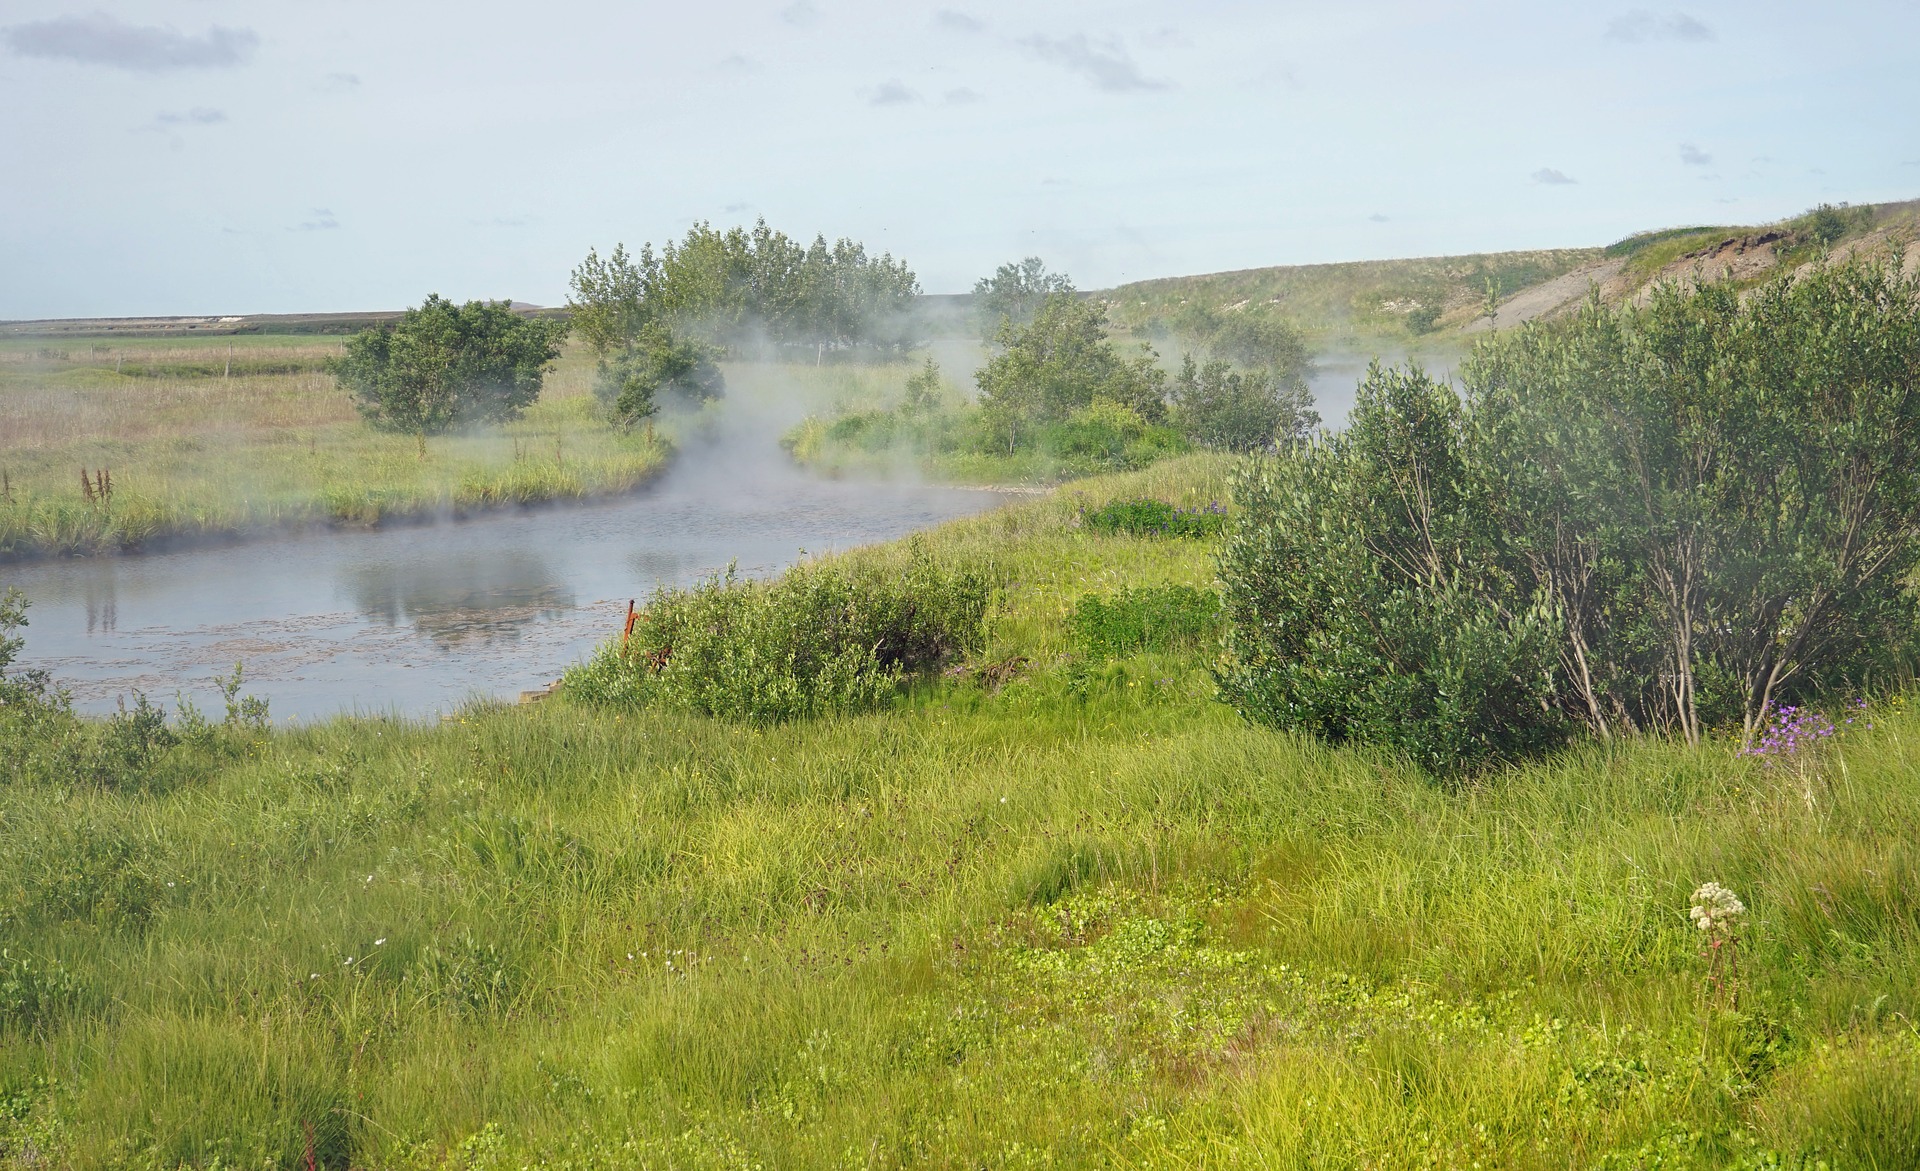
{"points": [[822, 638], [1662, 519]]}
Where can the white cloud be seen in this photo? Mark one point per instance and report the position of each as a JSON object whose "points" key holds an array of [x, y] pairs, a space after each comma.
{"points": [[1553, 178], [1641, 25], [322, 221], [198, 116], [99, 39], [892, 92], [1104, 63], [1693, 156], [957, 21]]}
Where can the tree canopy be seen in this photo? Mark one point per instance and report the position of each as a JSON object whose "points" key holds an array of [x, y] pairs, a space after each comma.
{"points": [[740, 287], [444, 365], [1015, 293], [629, 382], [1060, 363]]}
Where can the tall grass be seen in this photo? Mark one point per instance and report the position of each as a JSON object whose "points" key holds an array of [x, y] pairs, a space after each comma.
{"points": [[1061, 923], [201, 454]]}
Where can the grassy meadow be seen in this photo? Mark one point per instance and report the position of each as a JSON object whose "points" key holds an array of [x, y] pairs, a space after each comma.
{"points": [[1067, 911], [219, 436]]}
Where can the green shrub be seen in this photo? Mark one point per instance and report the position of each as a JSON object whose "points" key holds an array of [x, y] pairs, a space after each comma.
{"points": [[1344, 626], [820, 639], [1108, 436], [1670, 518], [1143, 517], [1152, 618]]}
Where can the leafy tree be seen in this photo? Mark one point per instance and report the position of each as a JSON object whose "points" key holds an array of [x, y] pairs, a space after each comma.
{"points": [[924, 391], [743, 287], [629, 383], [1227, 410], [608, 305], [1015, 293], [1059, 364], [445, 365]]}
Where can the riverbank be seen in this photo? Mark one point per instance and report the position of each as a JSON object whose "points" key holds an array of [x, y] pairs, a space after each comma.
{"points": [[1065, 912], [134, 445]]}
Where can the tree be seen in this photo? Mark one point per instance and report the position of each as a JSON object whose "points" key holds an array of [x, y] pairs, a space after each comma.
{"points": [[1059, 364], [609, 302], [444, 365], [1219, 407], [747, 287], [1015, 293], [629, 383]]}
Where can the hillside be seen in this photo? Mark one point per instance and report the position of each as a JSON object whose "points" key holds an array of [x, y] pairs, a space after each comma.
{"points": [[1432, 297]]}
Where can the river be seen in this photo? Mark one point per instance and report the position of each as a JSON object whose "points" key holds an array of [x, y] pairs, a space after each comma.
{"points": [[416, 620]]}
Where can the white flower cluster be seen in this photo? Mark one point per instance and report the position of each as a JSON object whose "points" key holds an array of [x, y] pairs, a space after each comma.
{"points": [[1716, 909]]}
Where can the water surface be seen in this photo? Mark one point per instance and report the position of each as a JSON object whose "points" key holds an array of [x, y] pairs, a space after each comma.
{"points": [[416, 620]]}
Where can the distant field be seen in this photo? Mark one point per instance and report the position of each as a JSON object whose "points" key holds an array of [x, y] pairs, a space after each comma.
{"points": [[213, 436]]}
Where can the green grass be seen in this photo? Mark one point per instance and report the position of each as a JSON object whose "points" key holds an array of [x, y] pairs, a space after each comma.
{"points": [[1346, 305], [194, 452], [1086, 919]]}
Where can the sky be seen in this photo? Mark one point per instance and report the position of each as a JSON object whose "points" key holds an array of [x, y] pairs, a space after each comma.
{"points": [[216, 157]]}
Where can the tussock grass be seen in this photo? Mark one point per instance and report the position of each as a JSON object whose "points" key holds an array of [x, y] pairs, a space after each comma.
{"points": [[1088, 919]]}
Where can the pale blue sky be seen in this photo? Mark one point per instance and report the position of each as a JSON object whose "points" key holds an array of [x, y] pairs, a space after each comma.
{"points": [[207, 156]]}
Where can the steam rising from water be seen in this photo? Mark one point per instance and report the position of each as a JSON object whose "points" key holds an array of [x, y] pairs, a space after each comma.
{"points": [[418, 619]]}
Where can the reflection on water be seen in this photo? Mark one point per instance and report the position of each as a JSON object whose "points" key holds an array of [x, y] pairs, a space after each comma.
{"points": [[419, 619], [460, 600]]}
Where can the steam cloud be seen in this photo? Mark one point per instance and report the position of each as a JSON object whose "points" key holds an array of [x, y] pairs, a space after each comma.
{"points": [[1105, 63], [99, 39], [1640, 26]]}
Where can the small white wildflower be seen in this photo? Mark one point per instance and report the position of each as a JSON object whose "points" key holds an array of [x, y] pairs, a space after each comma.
{"points": [[1716, 909], [378, 942]]}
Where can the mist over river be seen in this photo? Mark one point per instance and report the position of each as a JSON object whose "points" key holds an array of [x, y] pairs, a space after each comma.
{"points": [[417, 619]]}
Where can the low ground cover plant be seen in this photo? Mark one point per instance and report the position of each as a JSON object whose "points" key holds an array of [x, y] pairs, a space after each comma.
{"points": [[1669, 519], [1149, 618], [823, 638], [1147, 517]]}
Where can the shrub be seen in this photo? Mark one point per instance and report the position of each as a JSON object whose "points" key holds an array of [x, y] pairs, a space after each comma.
{"points": [[1153, 618], [820, 639], [1667, 518], [1144, 517], [629, 382], [1108, 436], [1227, 410]]}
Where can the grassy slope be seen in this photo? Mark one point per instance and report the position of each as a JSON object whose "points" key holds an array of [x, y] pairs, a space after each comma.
{"points": [[1367, 298], [1063, 924], [1365, 303], [195, 452]]}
